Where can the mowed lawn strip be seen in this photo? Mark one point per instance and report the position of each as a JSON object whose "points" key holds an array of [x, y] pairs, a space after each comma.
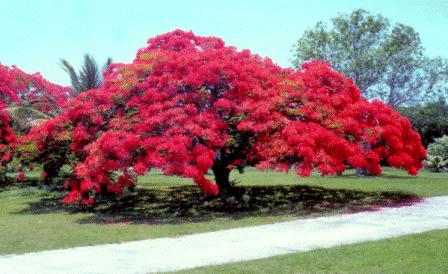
{"points": [[416, 253], [426, 184], [33, 220]]}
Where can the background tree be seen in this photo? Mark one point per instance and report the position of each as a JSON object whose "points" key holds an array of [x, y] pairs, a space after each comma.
{"points": [[430, 120], [385, 62], [90, 75]]}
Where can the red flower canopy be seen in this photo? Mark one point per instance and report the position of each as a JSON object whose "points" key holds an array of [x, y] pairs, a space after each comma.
{"points": [[188, 104]]}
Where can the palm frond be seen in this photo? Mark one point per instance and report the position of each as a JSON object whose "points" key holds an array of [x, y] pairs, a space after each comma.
{"points": [[90, 74], [89, 77], [107, 64], [76, 85]]}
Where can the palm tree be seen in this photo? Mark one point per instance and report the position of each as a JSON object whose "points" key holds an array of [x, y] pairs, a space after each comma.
{"points": [[89, 77]]}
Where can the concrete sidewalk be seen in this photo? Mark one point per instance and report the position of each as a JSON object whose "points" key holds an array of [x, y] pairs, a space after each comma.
{"points": [[169, 254]]}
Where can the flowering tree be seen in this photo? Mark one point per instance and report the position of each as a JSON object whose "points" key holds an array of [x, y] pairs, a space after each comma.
{"points": [[188, 104], [24, 93]]}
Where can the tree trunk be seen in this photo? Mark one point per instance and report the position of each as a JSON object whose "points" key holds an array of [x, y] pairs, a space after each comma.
{"points": [[2, 177], [222, 173], [362, 172]]}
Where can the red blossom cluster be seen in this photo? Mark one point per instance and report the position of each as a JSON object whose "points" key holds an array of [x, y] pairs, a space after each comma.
{"points": [[7, 137], [18, 88], [188, 104], [330, 126]]}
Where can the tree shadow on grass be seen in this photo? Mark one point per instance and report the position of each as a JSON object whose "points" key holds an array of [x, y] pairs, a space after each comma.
{"points": [[186, 204]]}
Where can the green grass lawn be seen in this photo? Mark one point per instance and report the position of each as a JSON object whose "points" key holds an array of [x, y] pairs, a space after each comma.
{"points": [[417, 253], [425, 184], [32, 219], [22, 230]]}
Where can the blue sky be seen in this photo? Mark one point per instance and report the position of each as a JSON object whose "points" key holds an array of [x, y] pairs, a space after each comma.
{"points": [[35, 34]]}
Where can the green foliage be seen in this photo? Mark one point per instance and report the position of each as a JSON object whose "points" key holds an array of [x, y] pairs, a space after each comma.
{"points": [[385, 62], [24, 117], [436, 162], [438, 154], [439, 147], [430, 120]]}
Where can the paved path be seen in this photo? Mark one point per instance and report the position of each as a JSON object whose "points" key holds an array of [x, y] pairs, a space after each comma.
{"points": [[169, 254]]}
